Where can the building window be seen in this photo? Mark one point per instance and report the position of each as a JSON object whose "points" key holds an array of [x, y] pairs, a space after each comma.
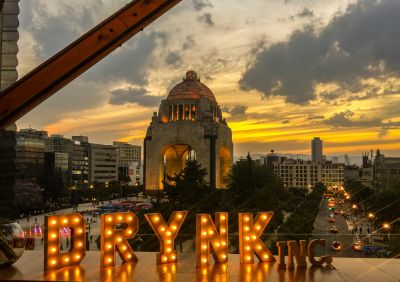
{"points": [[180, 112], [187, 117], [175, 107], [170, 115], [193, 113]]}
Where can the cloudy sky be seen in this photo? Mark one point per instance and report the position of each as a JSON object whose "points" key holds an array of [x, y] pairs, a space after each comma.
{"points": [[284, 71]]}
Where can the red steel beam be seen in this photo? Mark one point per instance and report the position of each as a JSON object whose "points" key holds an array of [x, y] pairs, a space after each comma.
{"points": [[62, 68]]}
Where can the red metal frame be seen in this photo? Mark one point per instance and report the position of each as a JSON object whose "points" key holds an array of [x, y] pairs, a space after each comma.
{"points": [[58, 71]]}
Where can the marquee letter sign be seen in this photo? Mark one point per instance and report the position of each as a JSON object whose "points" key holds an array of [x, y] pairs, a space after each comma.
{"points": [[207, 234], [113, 235], [249, 237], [53, 258], [166, 233]]}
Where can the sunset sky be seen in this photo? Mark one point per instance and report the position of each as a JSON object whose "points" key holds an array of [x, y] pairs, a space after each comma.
{"points": [[284, 71]]}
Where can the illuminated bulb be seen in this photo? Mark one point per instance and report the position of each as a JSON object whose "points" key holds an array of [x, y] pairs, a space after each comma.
{"points": [[129, 256], [259, 247], [109, 232], [109, 246], [204, 247], [130, 218], [180, 216], [169, 250], [248, 248], [124, 248], [223, 256], [76, 219], [204, 233], [164, 258], [173, 257], [265, 256], [80, 231], [246, 228], [248, 257], [162, 229], [80, 244], [217, 244], [66, 259], [53, 250], [258, 227], [265, 217], [246, 218], [204, 260], [65, 220], [109, 260], [77, 256], [210, 232], [223, 230], [120, 218], [168, 233], [174, 227], [156, 218], [129, 231], [223, 217], [204, 219], [53, 262], [54, 235], [109, 218], [223, 243], [54, 222], [169, 241], [254, 237], [247, 238], [119, 239]]}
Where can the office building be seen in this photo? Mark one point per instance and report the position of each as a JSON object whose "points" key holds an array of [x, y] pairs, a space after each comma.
{"points": [[29, 158], [316, 150], [103, 163]]}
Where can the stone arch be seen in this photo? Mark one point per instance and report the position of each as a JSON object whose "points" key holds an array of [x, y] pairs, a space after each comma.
{"points": [[225, 162], [172, 159]]}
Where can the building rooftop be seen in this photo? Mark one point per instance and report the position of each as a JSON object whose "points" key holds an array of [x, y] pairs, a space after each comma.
{"points": [[191, 88]]}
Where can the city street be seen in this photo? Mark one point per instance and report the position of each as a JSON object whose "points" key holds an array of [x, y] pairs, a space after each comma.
{"points": [[344, 236]]}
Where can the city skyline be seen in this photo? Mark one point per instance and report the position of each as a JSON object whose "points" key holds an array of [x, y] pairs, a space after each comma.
{"points": [[116, 98]]}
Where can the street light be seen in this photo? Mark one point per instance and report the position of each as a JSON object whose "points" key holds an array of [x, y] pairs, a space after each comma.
{"points": [[386, 226], [354, 206]]}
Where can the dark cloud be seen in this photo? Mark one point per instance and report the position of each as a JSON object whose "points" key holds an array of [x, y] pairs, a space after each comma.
{"points": [[206, 18], [188, 43], [316, 117], [133, 95], [286, 121], [199, 5], [306, 13], [361, 43], [173, 58], [238, 110], [344, 119]]}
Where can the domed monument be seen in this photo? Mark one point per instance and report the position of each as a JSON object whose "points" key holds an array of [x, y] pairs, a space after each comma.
{"points": [[189, 125]]}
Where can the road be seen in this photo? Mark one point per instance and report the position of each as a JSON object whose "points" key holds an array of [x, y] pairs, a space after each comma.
{"points": [[344, 236]]}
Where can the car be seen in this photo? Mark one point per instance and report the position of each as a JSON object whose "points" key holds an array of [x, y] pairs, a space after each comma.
{"points": [[357, 246], [336, 246], [142, 206], [331, 220], [333, 229], [336, 212]]}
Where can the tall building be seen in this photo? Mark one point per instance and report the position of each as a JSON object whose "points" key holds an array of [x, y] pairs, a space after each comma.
{"points": [[29, 159], [103, 163], [316, 150], [189, 124], [9, 35]]}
